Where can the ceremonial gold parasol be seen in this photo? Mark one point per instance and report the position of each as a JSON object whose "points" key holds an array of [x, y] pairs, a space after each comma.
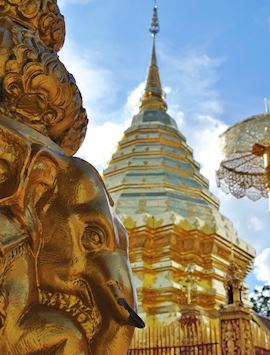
{"points": [[245, 170]]}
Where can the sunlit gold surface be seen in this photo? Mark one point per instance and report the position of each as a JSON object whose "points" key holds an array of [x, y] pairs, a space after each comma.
{"points": [[36, 87], [236, 331], [64, 264], [39, 16], [153, 97], [65, 279], [180, 244]]}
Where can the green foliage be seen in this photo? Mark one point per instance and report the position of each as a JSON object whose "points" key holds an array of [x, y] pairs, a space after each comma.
{"points": [[261, 301]]}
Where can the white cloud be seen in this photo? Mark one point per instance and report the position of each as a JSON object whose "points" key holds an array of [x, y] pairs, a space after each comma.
{"points": [[255, 224], [262, 266], [100, 143], [97, 86], [96, 83], [133, 101], [176, 114], [193, 77], [205, 143], [167, 90], [102, 139]]}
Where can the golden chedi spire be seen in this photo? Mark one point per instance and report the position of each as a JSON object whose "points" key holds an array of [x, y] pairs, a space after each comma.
{"points": [[153, 97], [179, 241]]}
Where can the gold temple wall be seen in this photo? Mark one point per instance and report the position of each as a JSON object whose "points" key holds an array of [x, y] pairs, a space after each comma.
{"points": [[159, 257], [260, 335]]}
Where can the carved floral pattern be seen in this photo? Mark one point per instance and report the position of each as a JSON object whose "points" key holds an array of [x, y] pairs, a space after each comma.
{"points": [[231, 338], [38, 90], [236, 337], [40, 16], [51, 27], [27, 9]]}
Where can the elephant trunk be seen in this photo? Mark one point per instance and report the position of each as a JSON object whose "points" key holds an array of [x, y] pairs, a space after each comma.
{"points": [[118, 282]]}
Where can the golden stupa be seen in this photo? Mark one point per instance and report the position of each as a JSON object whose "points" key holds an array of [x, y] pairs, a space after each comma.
{"points": [[187, 259]]}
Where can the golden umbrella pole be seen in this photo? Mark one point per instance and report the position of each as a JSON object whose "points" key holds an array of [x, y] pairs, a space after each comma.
{"points": [[264, 152]]}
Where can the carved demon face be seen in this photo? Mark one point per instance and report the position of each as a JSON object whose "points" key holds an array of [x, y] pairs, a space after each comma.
{"points": [[83, 265]]}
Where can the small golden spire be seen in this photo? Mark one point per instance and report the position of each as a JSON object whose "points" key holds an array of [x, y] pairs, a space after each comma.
{"points": [[153, 97]]}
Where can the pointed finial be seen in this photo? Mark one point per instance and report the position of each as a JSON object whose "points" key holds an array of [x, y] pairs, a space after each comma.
{"points": [[154, 27], [153, 97]]}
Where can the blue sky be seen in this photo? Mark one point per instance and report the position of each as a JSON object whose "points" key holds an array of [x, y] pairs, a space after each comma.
{"points": [[214, 65]]}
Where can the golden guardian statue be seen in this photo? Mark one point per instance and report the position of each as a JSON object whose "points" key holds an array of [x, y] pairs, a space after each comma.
{"points": [[65, 279]]}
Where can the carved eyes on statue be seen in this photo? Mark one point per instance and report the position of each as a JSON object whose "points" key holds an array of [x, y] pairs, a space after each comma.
{"points": [[93, 238]]}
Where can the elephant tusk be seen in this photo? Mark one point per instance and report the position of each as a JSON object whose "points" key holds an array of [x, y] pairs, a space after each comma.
{"points": [[134, 319]]}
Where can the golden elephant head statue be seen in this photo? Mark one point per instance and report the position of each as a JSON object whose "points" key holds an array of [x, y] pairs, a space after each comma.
{"points": [[65, 274]]}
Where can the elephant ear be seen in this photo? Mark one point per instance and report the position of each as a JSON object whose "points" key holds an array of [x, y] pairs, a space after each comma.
{"points": [[41, 180], [40, 189], [27, 178]]}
